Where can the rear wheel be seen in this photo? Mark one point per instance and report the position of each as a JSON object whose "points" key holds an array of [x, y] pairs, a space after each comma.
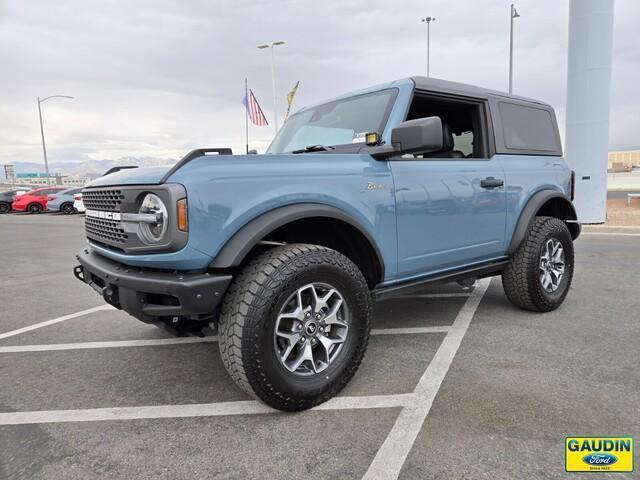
{"points": [[294, 326], [5, 207], [67, 208], [541, 270], [34, 208]]}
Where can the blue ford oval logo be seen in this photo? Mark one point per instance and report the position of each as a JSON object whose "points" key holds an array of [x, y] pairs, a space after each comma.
{"points": [[600, 459]]}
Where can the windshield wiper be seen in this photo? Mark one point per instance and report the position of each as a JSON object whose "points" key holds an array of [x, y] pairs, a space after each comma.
{"points": [[314, 148]]}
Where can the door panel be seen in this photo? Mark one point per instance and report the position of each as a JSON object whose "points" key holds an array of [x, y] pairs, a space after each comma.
{"points": [[445, 218]]}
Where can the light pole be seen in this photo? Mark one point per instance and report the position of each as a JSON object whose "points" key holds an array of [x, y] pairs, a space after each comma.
{"points": [[273, 80], [44, 148], [428, 21], [513, 14]]}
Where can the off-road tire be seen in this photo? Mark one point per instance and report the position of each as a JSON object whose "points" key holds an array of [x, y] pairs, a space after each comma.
{"points": [[248, 315], [521, 279]]}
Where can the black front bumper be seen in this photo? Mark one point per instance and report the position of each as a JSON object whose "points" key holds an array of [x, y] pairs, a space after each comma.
{"points": [[152, 296]]}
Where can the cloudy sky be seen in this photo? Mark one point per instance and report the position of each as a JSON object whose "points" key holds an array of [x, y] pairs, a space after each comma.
{"points": [[157, 77]]}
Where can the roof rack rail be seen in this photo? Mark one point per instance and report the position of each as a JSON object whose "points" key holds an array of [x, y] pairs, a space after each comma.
{"points": [[198, 152]]}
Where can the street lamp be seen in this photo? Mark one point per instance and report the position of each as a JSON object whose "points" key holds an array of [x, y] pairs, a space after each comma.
{"points": [[428, 21], [273, 80], [513, 14], [44, 148]]}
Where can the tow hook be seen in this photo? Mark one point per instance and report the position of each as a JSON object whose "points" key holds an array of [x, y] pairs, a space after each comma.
{"points": [[78, 272], [110, 295]]}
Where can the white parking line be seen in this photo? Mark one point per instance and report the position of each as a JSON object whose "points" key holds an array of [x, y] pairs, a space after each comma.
{"points": [[114, 344], [109, 307], [181, 340], [612, 234], [396, 447], [400, 439], [247, 407], [53, 321]]}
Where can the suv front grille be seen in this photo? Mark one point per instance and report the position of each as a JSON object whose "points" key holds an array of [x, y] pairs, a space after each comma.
{"points": [[105, 207], [104, 230], [105, 200]]}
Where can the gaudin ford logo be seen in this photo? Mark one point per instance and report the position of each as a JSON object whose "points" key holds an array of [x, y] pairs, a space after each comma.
{"points": [[375, 186], [599, 454]]}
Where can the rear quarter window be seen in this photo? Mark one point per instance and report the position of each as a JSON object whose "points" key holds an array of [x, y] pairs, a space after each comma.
{"points": [[528, 128]]}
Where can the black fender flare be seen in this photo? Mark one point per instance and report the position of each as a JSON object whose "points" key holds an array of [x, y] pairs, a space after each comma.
{"points": [[530, 210], [241, 243]]}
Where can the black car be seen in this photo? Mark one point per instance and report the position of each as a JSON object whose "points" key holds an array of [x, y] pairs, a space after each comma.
{"points": [[7, 197]]}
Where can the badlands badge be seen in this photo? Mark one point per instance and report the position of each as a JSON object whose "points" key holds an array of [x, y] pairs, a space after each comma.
{"points": [[598, 454]]}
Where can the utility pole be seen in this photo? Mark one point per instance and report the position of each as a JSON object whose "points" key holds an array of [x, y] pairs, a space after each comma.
{"points": [[513, 14], [44, 148], [428, 21]]}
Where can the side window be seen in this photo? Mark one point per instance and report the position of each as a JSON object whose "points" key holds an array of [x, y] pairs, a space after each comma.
{"points": [[462, 125], [527, 128]]}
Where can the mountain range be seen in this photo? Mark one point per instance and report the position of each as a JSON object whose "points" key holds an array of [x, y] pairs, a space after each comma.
{"points": [[87, 168]]}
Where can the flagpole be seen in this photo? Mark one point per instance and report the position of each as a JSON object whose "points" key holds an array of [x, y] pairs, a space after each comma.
{"points": [[246, 113]]}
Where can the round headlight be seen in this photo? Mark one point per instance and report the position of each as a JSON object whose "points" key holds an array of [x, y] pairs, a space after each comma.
{"points": [[153, 232]]}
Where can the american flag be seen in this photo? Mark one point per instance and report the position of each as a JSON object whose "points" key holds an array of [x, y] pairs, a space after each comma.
{"points": [[254, 111]]}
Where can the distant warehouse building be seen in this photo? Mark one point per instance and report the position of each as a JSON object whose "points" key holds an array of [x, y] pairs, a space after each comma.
{"points": [[623, 160], [38, 179]]}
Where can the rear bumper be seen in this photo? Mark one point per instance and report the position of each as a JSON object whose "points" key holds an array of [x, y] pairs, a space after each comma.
{"points": [[150, 295]]}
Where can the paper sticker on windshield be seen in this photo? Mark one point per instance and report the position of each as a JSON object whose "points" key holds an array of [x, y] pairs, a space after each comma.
{"points": [[359, 137]]}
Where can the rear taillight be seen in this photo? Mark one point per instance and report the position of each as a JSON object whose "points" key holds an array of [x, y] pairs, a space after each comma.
{"points": [[50, 197], [573, 185]]}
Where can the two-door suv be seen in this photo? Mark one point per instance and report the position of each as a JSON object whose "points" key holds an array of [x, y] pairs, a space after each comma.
{"points": [[359, 198]]}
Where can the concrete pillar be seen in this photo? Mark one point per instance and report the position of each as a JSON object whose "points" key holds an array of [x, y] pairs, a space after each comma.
{"points": [[588, 98]]}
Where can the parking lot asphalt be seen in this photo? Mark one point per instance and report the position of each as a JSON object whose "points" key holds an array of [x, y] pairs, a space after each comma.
{"points": [[457, 383]]}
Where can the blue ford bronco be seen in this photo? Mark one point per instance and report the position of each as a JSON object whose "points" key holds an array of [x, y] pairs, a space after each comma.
{"points": [[363, 197]]}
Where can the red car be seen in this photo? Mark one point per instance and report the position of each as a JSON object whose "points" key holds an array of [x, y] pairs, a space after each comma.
{"points": [[34, 201]]}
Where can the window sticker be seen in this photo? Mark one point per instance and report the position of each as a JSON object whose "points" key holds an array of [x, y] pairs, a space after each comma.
{"points": [[359, 137]]}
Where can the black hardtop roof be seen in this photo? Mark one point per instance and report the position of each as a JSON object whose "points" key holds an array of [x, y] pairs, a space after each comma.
{"points": [[445, 86]]}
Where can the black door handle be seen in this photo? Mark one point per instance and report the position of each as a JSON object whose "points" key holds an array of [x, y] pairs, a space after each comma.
{"points": [[491, 182]]}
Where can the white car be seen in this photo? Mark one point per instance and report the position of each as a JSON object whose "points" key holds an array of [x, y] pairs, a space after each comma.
{"points": [[78, 204]]}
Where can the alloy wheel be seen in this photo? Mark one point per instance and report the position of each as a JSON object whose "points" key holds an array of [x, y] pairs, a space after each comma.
{"points": [[552, 265], [311, 329]]}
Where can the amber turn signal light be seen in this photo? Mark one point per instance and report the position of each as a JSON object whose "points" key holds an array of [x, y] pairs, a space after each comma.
{"points": [[183, 224]]}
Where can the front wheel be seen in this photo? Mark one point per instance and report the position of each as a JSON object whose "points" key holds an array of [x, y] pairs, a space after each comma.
{"points": [[541, 270], [295, 325], [5, 207]]}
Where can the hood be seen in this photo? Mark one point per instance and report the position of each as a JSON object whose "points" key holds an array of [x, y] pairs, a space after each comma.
{"points": [[132, 176]]}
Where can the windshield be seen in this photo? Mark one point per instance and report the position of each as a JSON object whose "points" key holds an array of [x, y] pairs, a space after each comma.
{"points": [[340, 122]]}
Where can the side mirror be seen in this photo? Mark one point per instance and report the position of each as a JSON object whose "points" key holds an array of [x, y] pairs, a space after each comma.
{"points": [[422, 135]]}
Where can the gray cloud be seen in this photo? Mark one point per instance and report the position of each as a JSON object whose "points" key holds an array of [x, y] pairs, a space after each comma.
{"points": [[156, 78]]}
